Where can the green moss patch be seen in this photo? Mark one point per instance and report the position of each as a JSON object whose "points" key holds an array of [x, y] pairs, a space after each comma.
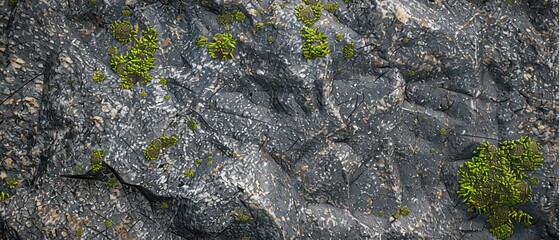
{"points": [[222, 47], [495, 181], [315, 45], [153, 149], [134, 66]]}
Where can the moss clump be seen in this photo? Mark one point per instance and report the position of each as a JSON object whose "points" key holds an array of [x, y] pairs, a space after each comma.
{"points": [[315, 45], [348, 50], [270, 39], [125, 12], [143, 94], [134, 66], [199, 161], [339, 37], [192, 124], [201, 41], [98, 77], [241, 216], [308, 14], [259, 26], [331, 7], [108, 223], [123, 31], [169, 141], [154, 148], [225, 18], [311, 2], [79, 232], [164, 205], [404, 211], [12, 3], [97, 160], [222, 47], [229, 17], [166, 98], [381, 213], [442, 131], [163, 81], [4, 196], [111, 182], [239, 16], [494, 182], [189, 173], [12, 183]]}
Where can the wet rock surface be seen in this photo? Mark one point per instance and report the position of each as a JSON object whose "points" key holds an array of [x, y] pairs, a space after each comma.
{"points": [[284, 147]]}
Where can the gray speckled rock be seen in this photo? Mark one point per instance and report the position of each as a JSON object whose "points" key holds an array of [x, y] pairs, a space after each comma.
{"points": [[284, 148]]}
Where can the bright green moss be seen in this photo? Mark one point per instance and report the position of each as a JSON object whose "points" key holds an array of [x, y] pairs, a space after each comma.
{"points": [[308, 14], [396, 214], [125, 12], [111, 182], [404, 211], [189, 173], [163, 81], [134, 66], [339, 37], [97, 160], [331, 7], [494, 182], [260, 11], [209, 162], [192, 124], [348, 50], [166, 98], [4, 196], [123, 31], [108, 223], [239, 16], [169, 141], [199, 161], [259, 26], [201, 41], [381, 213], [315, 45], [270, 39], [12, 183], [222, 47], [153, 149], [143, 94], [311, 2], [79, 232], [442, 131], [98, 77], [269, 24]]}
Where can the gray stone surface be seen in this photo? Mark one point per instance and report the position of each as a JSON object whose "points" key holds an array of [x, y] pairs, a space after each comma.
{"points": [[294, 148]]}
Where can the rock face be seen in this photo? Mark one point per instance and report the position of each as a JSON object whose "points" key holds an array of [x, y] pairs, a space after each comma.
{"points": [[336, 147]]}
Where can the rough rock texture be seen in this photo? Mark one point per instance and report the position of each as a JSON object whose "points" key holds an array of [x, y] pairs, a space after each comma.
{"points": [[287, 148]]}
